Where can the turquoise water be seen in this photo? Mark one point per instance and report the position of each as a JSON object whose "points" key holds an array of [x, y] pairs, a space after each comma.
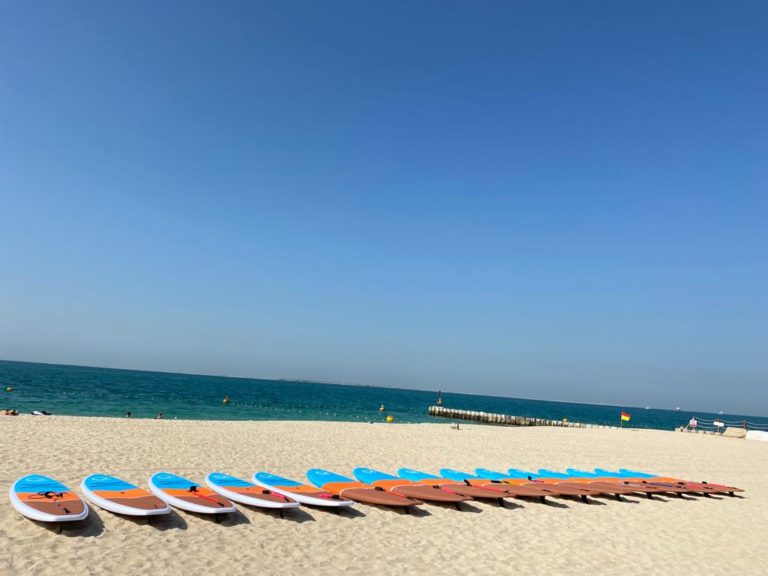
{"points": [[84, 391]]}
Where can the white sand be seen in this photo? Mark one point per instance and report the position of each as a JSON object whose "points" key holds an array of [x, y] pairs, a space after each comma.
{"points": [[718, 535]]}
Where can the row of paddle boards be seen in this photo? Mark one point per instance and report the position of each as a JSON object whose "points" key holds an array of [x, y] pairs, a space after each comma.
{"points": [[46, 500]]}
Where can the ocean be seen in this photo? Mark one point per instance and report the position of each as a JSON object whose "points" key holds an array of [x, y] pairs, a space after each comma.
{"points": [[86, 391]]}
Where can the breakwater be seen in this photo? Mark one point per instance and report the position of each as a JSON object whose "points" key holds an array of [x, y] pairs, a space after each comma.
{"points": [[505, 419]]}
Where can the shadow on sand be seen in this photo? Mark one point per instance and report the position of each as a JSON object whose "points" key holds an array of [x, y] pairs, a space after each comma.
{"points": [[91, 526], [229, 519], [298, 515], [350, 512], [171, 521], [555, 503]]}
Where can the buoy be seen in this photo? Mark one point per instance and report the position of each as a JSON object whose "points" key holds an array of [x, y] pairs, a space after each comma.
{"points": [[226, 400], [9, 388], [390, 418], [381, 408]]}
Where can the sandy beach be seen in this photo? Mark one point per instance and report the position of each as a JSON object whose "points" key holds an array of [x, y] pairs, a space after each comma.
{"points": [[694, 535]]}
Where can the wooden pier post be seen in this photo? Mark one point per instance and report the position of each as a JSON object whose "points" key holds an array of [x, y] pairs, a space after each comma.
{"points": [[504, 419]]}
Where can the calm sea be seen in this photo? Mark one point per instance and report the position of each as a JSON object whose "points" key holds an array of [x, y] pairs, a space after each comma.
{"points": [[84, 391]]}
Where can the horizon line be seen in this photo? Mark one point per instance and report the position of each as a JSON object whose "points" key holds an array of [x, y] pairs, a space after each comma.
{"points": [[359, 385]]}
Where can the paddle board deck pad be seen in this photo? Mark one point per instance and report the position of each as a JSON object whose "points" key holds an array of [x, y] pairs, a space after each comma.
{"points": [[46, 500], [302, 493], [359, 491], [121, 497], [606, 487], [531, 490], [565, 487], [187, 495], [451, 485], [248, 493], [406, 487]]}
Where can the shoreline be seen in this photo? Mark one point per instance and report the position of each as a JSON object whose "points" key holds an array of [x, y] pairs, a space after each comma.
{"points": [[444, 422], [435, 421]]}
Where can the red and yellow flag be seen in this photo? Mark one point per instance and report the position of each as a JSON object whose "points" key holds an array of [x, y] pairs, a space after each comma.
{"points": [[625, 416]]}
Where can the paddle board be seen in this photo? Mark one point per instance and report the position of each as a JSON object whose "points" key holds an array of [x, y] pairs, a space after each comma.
{"points": [[499, 483], [457, 487], [549, 478], [46, 500], [560, 479], [638, 487], [523, 478], [244, 492], [706, 486], [303, 493], [121, 497], [187, 495], [349, 488], [598, 487], [668, 484], [405, 487]]}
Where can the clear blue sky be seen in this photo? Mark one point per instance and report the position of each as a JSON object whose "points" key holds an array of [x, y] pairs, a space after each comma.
{"points": [[558, 200]]}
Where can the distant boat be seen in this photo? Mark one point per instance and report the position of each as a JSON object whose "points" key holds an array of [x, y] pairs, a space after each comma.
{"points": [[647, 407], [720, 412], [678, 408]]}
